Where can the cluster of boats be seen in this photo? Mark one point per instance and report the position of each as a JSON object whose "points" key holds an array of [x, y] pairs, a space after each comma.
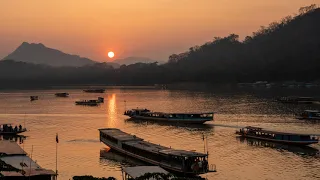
{"points": [[187, 163], [184, 162], [249, 132], [9, 129], [64, 94], [91, 102]]}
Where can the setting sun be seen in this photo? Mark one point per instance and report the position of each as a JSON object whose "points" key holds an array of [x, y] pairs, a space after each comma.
{"points": [[110, 54]]}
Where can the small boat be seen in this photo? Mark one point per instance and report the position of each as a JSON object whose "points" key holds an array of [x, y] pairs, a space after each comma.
{"points": [[8, 129], [194, 118], [62, 94], [94, 90], [189, 163], [33, 98], [309, 115], [101, 99], [297, 100], [280, 137], [88, 102]]}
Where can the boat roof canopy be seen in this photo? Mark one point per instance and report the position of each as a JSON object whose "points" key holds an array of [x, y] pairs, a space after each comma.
{"points": [[11, 148], [182, 153], [138, 171], [285, 133], [119, 135], [155, 148], [32, 168], [275, 132]]}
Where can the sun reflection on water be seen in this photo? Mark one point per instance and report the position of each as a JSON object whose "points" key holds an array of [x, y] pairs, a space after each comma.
{"points": [[112, 111]]}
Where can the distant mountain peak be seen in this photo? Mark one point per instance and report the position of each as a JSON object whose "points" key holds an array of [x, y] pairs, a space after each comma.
{"points": [[38, 53]]}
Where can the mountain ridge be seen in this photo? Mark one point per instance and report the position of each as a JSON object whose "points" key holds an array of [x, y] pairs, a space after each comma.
{"points": [[132, 60], [40, 54]]}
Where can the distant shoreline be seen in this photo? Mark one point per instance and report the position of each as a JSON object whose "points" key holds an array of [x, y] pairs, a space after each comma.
{"points": [[78, 87], [172, 86]]}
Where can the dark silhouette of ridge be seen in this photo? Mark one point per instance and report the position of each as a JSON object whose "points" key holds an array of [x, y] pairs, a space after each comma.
{"points": [[133, 60], [40, 54], [285, 50]]}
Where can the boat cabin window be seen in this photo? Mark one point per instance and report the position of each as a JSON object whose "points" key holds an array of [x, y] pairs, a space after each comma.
{"points": [[206, 115]]}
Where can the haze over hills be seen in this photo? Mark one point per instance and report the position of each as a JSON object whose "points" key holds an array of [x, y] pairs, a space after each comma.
{"points": [[133, 60], [40, 54]]}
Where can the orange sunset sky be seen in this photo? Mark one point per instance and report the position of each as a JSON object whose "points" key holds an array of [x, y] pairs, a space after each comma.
{"points": [[146, 28]]}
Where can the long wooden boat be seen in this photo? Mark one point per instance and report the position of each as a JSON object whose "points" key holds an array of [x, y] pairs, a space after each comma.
{"points": [[178, 161], [94, 90], [280, 137], [193, 118], [88, 102], [309, 115], [8, 129]]}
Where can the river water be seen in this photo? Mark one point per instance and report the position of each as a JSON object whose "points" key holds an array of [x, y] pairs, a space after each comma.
{"points": [[81, 153]]}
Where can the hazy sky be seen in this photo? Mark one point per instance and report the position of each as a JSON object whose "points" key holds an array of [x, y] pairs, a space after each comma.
{"points": [[148, 28]]}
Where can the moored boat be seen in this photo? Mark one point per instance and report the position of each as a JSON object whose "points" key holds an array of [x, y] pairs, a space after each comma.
{"points": [[101, 99], [274, 136], [94, 90], [194, 118], [88, 102], [8, 129], [62, 94], [178, 161], [33, 98], [309, 115]]}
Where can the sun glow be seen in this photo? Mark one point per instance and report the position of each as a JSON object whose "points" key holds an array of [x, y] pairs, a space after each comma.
{"points": [[110, 54]]}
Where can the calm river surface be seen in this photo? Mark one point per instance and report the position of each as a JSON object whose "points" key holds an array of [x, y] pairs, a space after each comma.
{"points": [[81, 153]]}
